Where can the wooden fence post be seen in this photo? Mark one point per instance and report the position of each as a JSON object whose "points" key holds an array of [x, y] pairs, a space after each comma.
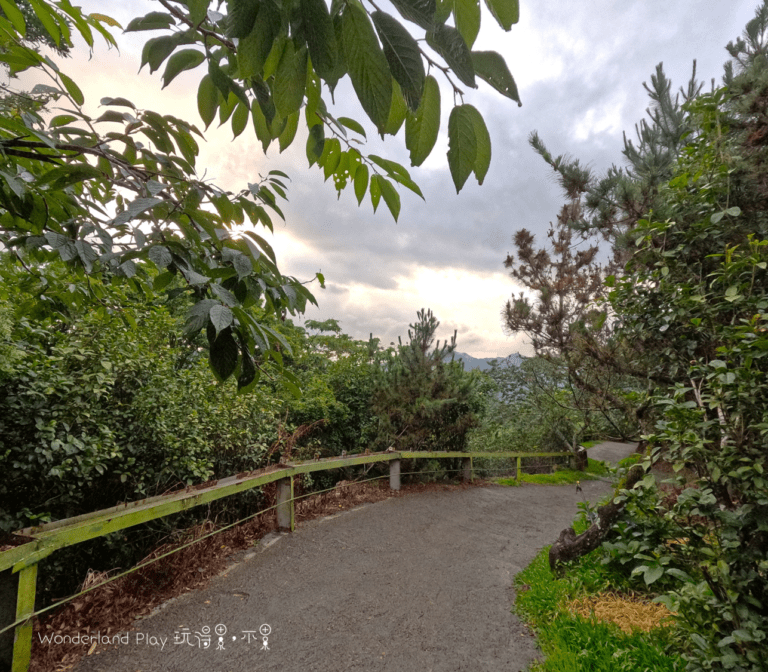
{"points": [[285, 510], [466, 469], [394, 475], [25, 606]]}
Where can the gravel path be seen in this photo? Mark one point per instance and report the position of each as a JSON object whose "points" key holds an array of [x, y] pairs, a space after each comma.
{"points": [[421, 583]]}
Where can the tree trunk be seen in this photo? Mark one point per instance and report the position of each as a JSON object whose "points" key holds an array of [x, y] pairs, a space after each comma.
{"points": [[571, 546], [580, 460]]}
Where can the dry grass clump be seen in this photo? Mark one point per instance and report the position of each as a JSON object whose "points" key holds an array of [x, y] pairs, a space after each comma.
{"points": [[630, 613]]}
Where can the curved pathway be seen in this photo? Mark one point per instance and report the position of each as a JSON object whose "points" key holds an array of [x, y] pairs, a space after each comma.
{"points": [[420, 583]]}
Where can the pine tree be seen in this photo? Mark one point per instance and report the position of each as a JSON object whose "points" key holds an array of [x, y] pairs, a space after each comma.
{"points": [[423, 401]]}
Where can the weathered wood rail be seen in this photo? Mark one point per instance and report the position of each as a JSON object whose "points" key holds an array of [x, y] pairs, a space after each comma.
{"points": [[18, 565]]}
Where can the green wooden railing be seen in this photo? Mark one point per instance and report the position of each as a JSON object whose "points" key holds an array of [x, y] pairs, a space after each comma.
{"points": [[41, 541]]}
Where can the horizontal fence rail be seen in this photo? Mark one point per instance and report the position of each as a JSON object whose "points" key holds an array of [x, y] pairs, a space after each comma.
{"points": [[18, 565]]}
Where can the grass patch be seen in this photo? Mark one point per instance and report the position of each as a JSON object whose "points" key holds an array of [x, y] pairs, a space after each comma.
{"points": [[574, 643], [595, 469], [589, 444], [630, 460]]}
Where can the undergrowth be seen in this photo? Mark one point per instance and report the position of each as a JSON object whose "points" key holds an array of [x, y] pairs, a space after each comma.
{"points": [[595, 469], [572, 643]]}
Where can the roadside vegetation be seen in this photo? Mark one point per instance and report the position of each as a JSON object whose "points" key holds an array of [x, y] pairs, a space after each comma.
{"points": [[673, 329]]}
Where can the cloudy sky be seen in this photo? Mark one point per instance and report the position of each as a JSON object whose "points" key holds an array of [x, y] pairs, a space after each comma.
{"points": [[580, 69]]}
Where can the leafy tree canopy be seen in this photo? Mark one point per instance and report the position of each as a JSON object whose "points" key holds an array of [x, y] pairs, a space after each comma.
{"points": [[112, 193]]}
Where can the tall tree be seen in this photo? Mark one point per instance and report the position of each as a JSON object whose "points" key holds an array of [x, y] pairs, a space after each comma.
{"points": [[423, 401], [689, 310]]}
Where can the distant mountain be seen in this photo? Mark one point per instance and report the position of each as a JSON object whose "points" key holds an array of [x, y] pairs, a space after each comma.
{"points": [[471, 362]]}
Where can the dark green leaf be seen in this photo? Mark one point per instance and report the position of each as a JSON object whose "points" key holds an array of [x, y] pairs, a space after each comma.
{"points": [[136, 208], [290, 80], [315, 143], [448, 42], [241, 16], [248, 377], [197, 317], [160, 256], [157, 49], [375, 191], [152, 21], [221, 317], [223, 355], [421, 127], [123, 102], [289, 133], [239, 119], [397, 111], [403, 57], [506, 12], [367, 65], [420, 12], [483, 144], [352, 125], [252, 51], [391, 197], [467, 15], [162, 281], [224, 294], [462, 145], [261, 126], [491, 68], [321, 37], [186, 59], [361, 183], [72, 89]]}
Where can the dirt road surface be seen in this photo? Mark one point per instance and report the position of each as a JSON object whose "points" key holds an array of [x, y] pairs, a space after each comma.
{"points": [[418, 583]]}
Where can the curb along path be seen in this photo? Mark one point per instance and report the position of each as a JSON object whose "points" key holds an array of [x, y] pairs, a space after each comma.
{"points": [[420, 583]]}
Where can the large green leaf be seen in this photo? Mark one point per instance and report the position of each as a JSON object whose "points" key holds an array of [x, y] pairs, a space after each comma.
{"points": [[157, 49], [391, 197], [152, 21], [361, 182], [15, 16], [421, 12], [221, 317], [422, 126], [290, 80], [248, 377], [223, 354], [186, 59], [239, 119], [72, 88], [467, 15], [321, 37], [443, 9], [252, 50], [491, 68], [315, 143], [367, 65], [506, 12], [462, 144], [483, 144], [397, 111], [261, 127], [403, 56], [241, 17], [448, 42], [207, 100], [289, 132]]}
